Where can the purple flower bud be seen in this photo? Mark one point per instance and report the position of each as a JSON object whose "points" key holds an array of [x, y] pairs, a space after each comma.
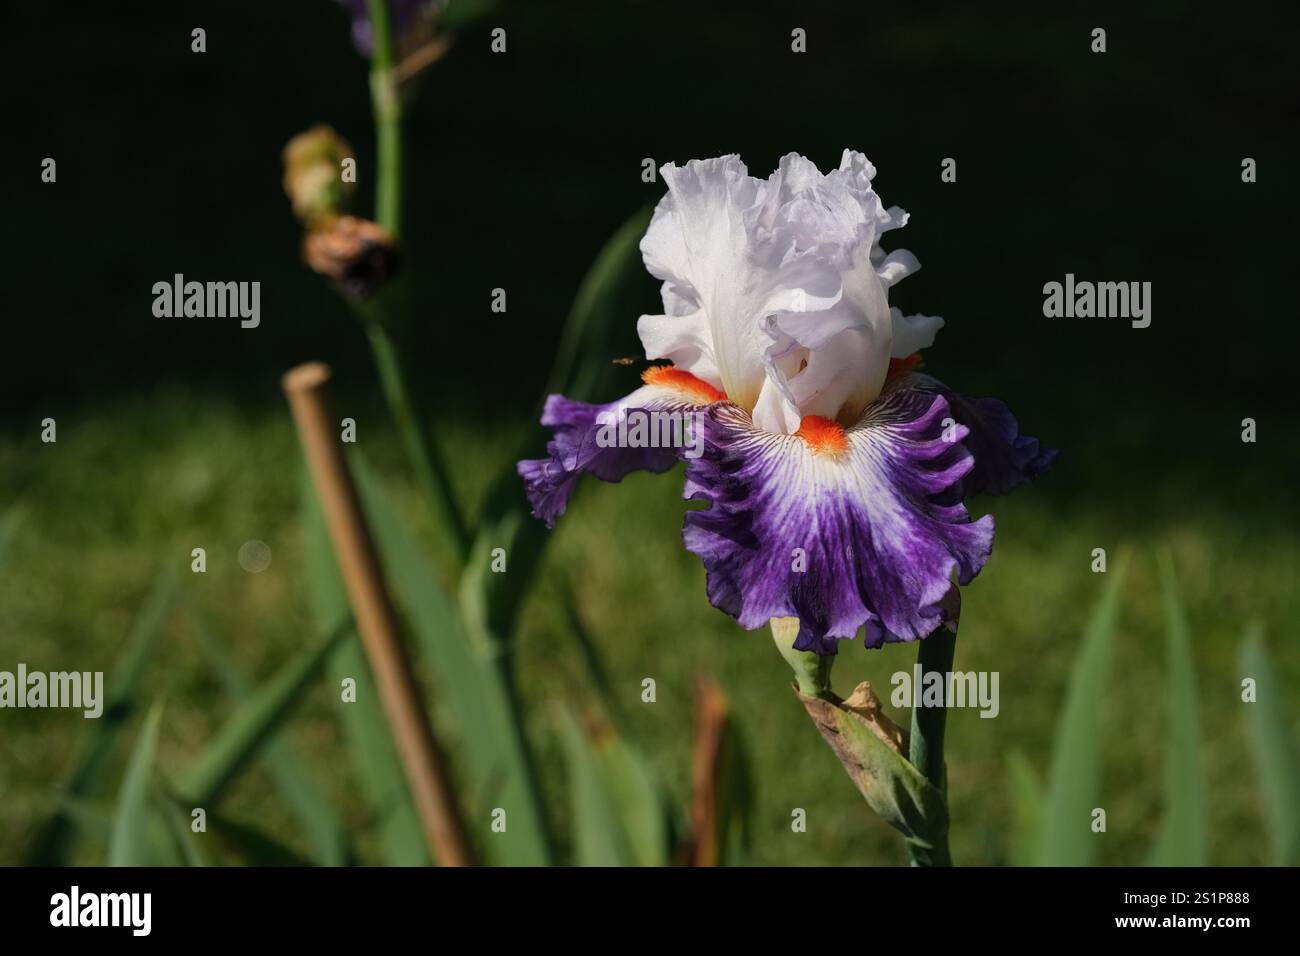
{"points": [[402, 14]]}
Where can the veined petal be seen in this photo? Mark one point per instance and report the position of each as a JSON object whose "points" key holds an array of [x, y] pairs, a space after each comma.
{"points": [[838, 528], [582, 431], [1004, 458]]}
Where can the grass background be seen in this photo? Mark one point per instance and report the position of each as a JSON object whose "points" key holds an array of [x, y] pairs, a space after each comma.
{"points": [[173, 436], [198, 470]]}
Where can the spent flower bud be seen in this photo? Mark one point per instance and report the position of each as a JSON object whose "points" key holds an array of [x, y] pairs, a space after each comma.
{"points": [[314, 174], [356, 254]]}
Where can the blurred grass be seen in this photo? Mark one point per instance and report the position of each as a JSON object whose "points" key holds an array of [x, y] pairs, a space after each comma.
{"points": [[132, 483]]}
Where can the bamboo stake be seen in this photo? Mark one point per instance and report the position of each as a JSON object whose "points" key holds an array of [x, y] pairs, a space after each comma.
{"points": [[307, 388]]}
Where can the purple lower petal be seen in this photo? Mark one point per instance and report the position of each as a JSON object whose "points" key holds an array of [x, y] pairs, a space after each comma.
{"points": [[575, 450], [1004, 458], [879, 533]]}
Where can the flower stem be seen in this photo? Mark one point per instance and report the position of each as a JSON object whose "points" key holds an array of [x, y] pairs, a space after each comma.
{"points": [[387, 108], [925, 752], [430, 470]]}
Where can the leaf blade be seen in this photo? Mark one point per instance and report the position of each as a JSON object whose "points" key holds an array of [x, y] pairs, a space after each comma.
{"points": [[57, 836], [1182, 840], [129, 843], [253, 724], [320, 825], [599, 838], [1074, 780], [471, 674], [1027, 805], [1277, 754]]}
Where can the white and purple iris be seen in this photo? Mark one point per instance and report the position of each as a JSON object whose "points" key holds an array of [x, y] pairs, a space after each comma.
{"points": [[835, 474]]}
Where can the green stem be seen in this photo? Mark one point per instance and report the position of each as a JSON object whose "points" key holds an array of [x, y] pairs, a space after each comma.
{"points": [[812, 672], [387, 108], [925, 751], [430, 470]]}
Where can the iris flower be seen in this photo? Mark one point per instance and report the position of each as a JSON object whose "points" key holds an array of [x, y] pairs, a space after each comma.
{"points": [[834, 473]]}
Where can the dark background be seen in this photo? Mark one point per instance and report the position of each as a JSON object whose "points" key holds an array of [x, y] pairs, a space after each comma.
{"points": [[1122, 166]]}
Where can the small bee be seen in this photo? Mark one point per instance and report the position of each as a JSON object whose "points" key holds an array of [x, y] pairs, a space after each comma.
{"points": [[629, 360]]}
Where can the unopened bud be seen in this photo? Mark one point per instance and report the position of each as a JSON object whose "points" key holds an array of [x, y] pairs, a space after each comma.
{"points": [[316, 175]]}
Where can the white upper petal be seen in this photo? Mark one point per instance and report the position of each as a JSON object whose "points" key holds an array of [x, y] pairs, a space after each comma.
{"points": [[776, 292], [913, 332], [682, 339], [896, 266]]}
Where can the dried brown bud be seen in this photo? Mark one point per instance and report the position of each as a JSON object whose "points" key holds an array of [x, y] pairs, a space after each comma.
{"points": [[358, 255], [864, 702]]}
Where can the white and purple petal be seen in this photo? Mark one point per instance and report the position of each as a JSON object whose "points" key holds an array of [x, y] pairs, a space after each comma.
{"points": [[863, 533], [581, 442], [1004, 458]]}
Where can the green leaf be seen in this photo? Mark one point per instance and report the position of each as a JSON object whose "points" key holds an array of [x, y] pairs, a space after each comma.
{"points": [[1074, 781], [595, 333], [252, 725], [598, 835], [1027, 804], [129, 843], [95, 820], [1182, 840], [91, 817], [166, 832], [56, 837], [471, 676], [370, 744], [619, 812], [597, 676], [1277, 753], [597, 321], [171, 841], [488, 602], [636, 791], [254, 846], [735, 798], [321, 826], [182, 836]]}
